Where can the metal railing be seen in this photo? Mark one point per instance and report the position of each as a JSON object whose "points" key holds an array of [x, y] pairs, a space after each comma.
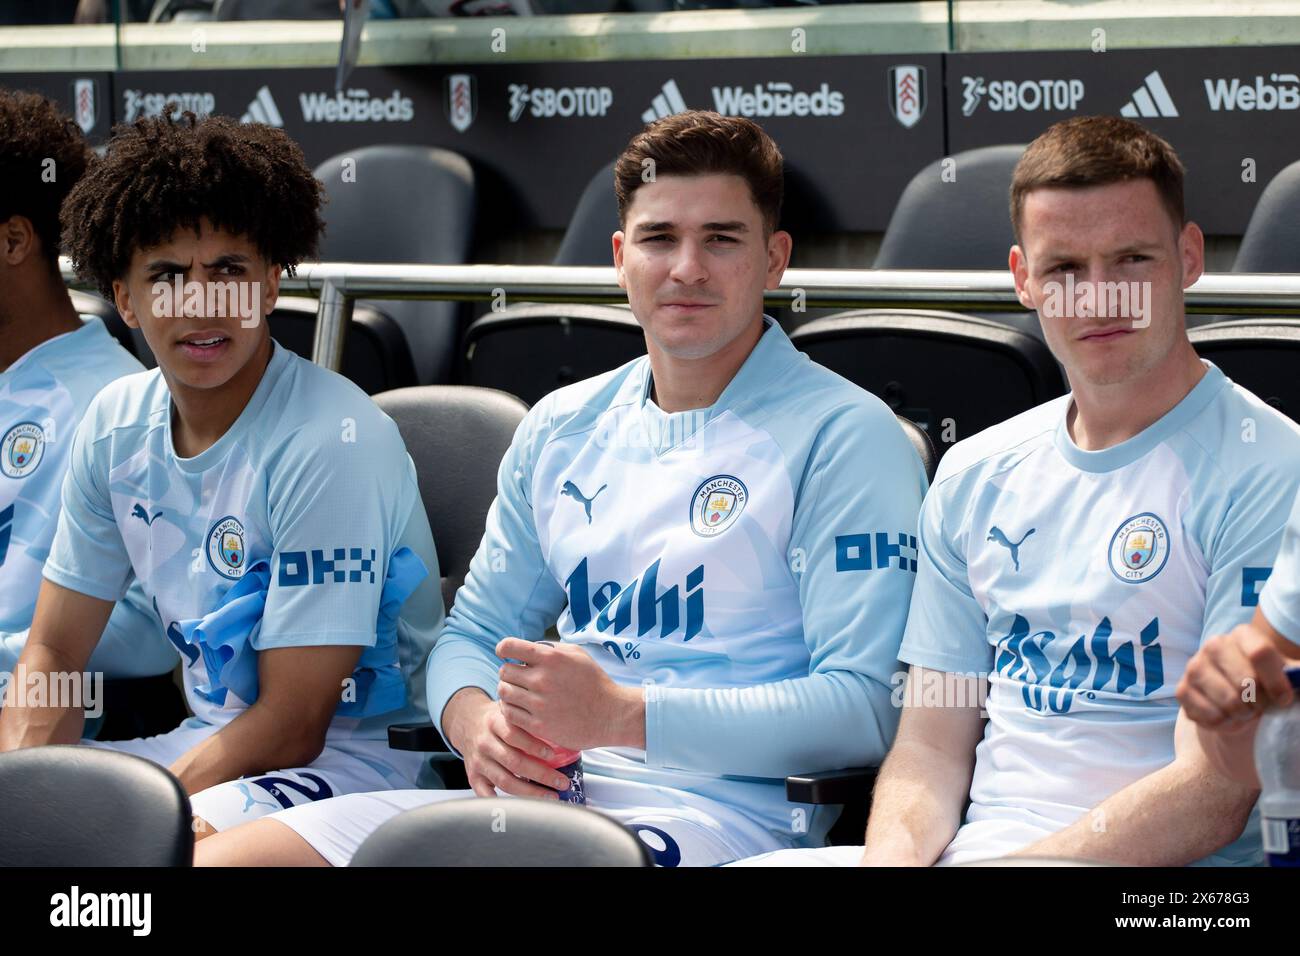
{"points": [[338, 285]]}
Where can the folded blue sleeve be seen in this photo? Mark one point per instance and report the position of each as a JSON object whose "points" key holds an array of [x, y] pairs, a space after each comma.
{"points": [[853, 547]]}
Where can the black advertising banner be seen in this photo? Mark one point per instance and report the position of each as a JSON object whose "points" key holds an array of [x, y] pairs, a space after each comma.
{"points": [[1232, 113], [86, 97], [853, 129]]}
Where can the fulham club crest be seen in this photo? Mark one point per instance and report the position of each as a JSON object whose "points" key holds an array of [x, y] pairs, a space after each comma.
{"points": [[907, 94], [460, 101], [85, 108]]}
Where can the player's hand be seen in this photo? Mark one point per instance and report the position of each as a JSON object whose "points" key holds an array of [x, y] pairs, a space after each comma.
{"points": [[559, 693], [1233, 678], [500, 756]]}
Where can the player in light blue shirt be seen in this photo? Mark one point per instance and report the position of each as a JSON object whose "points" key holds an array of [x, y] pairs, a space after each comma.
{"points": [[52, 362], [1236, 676], [1075, 557], [722, 533], [267, 507]]}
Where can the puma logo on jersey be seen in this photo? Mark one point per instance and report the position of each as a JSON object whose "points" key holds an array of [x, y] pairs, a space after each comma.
{"points": [[137, 511], [996, 534], [573, 491]]}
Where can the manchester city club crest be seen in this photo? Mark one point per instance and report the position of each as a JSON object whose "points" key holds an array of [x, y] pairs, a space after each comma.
{"points": [[22, 449], [226, 552], [716, 504], [1139, 548]]}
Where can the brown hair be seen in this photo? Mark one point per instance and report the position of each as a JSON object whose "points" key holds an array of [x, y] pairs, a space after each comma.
{"points": [[37, 140], [163, 174], [700, 142], [1096, 151]]}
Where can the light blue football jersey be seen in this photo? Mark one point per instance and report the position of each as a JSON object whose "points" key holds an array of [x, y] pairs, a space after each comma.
{"points": [[278, 535], [1280, 599], [1082, 582], [750, 564], [43, 396]]}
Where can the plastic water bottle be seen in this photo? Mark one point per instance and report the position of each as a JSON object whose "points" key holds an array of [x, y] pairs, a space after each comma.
{"points": [[569, 763], [1277, 759]]}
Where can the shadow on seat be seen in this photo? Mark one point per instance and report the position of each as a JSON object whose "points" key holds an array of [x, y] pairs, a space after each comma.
{"points": [[79, 806], [478, 831]]}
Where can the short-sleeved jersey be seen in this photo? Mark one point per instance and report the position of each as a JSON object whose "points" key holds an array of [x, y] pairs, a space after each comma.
{"points": [[1081, 582], [749, 564], [43, 396], [278, 535], [1280, 599]]}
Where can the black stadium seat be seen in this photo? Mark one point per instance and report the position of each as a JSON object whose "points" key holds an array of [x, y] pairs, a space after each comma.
{"points": [[376, 355], [938, 369], [457, 437], [959, 224], [478, 831], [530, 350], [586, 241], [404, 204], [80, 806], [1271, 242], [1261, 355], [921, 442]]}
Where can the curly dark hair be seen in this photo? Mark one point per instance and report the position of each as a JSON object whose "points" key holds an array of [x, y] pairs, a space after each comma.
{"points": [[34, 132], [163, 174]]}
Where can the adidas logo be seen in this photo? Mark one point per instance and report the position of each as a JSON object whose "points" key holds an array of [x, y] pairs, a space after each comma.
{"points": [[666, 103], [1150, 99], [263, 110]]}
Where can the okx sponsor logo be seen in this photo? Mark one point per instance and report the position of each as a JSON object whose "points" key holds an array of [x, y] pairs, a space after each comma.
{"points": [[1052, 674], [874, 552], [614, 607]]}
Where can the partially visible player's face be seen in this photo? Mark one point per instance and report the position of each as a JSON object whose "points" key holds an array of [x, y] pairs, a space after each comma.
{"points": [[1119, 240], [694, 260], [212, 326]]}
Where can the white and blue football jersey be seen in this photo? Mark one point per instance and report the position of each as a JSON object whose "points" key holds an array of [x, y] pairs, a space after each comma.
{"points": [[43, 396], [301, 526], [1081, 582], [750, 564], [1280, 599]]}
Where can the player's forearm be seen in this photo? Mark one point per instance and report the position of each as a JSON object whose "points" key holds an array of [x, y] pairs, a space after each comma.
{"points": [[1175, 816], [31, 719], [456, 664], [820, 722], [261, 738], [917, 805], [1232, 753]]}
